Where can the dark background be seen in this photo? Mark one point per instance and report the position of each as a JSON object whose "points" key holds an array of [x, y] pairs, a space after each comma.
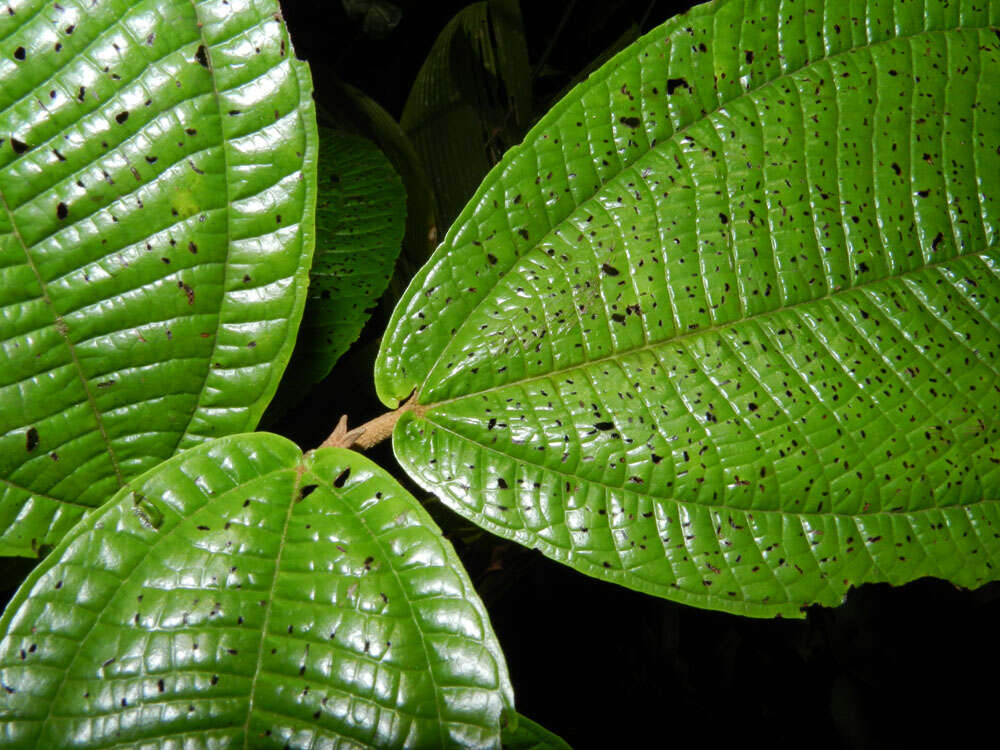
{"points": [[607, 667]]}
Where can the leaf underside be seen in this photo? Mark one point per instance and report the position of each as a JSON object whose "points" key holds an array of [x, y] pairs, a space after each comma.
{"points": [[725, 327], [360, 221], [244, 595], [157, 178]]}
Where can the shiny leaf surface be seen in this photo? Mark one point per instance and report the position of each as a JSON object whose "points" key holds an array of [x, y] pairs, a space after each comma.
{"points": [[157, 177], [725, 327], [360, 220], [243, 595]]}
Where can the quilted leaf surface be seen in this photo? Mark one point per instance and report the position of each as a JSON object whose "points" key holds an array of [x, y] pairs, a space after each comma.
{"points": [[725, 327], [242, 595], [157, 178]]}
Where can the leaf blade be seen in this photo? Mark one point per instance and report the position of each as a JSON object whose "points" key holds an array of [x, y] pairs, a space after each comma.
{"points": [[222, 607], [731, 317], [131, 228]]}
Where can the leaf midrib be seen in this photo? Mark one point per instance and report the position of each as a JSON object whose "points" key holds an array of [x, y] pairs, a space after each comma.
{"points": [[416, 620], [714, 505], [678, 339], [255, 678], [677, 135]]}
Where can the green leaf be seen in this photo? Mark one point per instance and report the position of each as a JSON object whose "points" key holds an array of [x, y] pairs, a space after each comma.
{"points": [[242, 594], [471, 98], [725, 327], [346, 107], [157, 178], [531, 736], [360, 219]]}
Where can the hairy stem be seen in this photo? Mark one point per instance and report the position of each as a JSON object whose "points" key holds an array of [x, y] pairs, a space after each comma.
{"points": [[370, 433]]}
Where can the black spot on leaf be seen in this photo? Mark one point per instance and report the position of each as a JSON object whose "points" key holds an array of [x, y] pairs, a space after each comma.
{"points": [[20, 54], [187, 290], [605, 426], [31, 439], [201, 56], [19, 147], [610, 270], [308, 490], [342, 478], [674, 83], [632, 122], [62, 211]]}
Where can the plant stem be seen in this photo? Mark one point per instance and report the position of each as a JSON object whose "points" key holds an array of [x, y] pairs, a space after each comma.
{"points": [[370, 433]]}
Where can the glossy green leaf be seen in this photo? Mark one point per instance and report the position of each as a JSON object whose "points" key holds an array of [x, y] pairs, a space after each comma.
{"points": [[360, 220], [157, 178], [725, 327], [243, 595], [471, 99], [530, 736]]}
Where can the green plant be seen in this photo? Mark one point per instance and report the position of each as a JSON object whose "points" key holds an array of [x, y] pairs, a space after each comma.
{"points": [[722, 329]]}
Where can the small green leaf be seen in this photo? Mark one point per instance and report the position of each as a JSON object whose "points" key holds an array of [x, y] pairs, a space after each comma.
{"points": [[471, 98], [157, 189], [360, 220], [531, 736], [345, 107], [281, 600], [725, 328]]}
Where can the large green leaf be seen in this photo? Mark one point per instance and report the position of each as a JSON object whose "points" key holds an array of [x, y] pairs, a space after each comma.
{"points": [[471, 98], [241, 594], [157, 178], [360, 220], [725, 328]]}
